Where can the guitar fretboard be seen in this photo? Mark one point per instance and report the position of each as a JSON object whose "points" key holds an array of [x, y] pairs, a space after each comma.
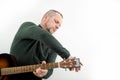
{"points": [[30, 68]]}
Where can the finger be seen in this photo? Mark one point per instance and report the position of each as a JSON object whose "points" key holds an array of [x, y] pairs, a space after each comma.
{"points": [[81, 63], [35, 73], [38, 70], [43, 70], [43, 62], [77, 69], [71, 69], [71, 57]]}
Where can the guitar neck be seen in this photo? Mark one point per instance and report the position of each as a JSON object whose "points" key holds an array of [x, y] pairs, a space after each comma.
{"points": [[29, 68]]}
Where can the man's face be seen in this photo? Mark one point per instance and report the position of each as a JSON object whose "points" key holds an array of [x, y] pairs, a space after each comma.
{"points": [[53, 23]]}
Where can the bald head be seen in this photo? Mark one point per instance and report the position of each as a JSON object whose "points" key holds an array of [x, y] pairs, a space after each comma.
{"points": [[52, 13]]}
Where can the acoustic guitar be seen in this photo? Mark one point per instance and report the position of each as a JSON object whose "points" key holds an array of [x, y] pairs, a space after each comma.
{"points": [[8, 67]]}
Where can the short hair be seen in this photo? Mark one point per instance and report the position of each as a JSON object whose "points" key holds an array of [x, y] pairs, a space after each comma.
{"points": [[52, 12]]}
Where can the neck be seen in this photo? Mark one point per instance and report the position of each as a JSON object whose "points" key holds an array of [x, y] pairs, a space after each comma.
{"points": [[42, 26]]}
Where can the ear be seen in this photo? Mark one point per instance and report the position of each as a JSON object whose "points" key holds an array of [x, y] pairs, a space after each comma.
{"points": [[45, 17]]}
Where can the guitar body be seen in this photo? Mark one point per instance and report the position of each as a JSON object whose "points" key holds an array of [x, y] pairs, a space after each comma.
{"points": [[7, 60]]}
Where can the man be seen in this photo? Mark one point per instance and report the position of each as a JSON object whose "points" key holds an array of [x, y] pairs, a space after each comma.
{"points": [[34, 44]]}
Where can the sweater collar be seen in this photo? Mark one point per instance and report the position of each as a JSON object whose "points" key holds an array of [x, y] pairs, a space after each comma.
{"points": [[40, 26]]}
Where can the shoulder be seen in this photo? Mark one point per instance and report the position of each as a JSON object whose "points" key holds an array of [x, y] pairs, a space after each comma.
{"points": [[28, 24]]}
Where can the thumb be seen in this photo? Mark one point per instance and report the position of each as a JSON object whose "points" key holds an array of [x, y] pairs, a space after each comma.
{"points": [[43, 62]]}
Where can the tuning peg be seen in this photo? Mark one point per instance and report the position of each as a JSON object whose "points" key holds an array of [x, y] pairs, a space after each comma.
{"points": [[65, 69]]}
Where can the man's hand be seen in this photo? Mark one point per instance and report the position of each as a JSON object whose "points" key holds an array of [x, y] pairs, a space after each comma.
{"points": [[77, 68], [40, 72]]}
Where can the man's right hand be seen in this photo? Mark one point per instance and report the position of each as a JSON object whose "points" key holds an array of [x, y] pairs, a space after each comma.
{"points": [[40, 72]]}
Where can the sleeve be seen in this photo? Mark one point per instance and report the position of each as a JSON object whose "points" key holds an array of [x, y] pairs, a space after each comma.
{"points": [[37, 33], [51, 58]]}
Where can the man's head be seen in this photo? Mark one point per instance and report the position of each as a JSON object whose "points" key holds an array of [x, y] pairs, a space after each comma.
{"points": [[51, 20]]}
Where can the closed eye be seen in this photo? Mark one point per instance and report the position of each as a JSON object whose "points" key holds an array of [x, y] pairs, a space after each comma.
{"points": [[57, 22]]}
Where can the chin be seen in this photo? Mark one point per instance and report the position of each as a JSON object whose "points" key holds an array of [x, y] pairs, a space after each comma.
{"points": [[50, 32]]}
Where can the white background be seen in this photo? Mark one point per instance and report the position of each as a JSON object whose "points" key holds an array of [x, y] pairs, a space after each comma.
{"points": [[90, 31]]}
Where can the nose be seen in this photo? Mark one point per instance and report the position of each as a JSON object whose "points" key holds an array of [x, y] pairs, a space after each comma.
{"points": [[57, 27]]}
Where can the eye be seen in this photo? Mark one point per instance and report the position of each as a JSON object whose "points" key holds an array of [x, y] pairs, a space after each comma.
{"points": [[57, 22]]}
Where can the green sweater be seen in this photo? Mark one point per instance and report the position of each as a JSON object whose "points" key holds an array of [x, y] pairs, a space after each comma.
{"points": [[32, 44]]}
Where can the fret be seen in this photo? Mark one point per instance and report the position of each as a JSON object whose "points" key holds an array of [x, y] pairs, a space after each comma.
{"points": [[56, 65], [48, 66], [43, 66]]}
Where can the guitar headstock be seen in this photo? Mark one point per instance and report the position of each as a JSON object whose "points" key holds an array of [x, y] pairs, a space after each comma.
{"points": [[70, 63]]}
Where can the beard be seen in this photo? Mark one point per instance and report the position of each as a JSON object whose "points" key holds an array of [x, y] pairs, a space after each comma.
{"points": [[50, 30]]}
